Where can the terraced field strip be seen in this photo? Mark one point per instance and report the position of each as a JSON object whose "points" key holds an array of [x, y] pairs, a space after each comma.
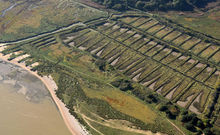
{"points": [[162, 54], [140, 21], [181, 39], [148, 24], [105, 26], [215, 57], [148, 56], [171, 44], [133, 39], [190, 43], [156, 28]]}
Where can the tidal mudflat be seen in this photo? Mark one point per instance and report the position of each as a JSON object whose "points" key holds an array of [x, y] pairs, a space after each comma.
{"points": [[26, 105]]}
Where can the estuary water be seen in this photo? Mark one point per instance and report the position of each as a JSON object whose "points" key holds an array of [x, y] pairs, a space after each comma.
{"points": [[26, 107]]}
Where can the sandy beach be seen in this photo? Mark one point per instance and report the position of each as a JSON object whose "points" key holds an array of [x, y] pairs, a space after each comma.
{"points": [[71, 122]]}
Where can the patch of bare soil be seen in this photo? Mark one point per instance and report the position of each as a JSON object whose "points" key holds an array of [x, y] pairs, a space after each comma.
{"points": [[170, 95], [159, 91], [192, 108], [183, 103], [115, 61]]}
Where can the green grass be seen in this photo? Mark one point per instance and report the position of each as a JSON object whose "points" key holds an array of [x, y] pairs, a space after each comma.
{"points": [[207, 23], [49, 16]]}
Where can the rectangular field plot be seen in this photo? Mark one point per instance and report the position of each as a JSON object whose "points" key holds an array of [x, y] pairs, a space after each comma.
{"points": [[105, 26], [114, 54], [154, 50], [212, 80], [205, 74], [147, 25], [178, 62], [166, 91], [209, 51], [163, 32], [139, 43], [126, 35], [158, 83], [117, 32], [182, 87], [199, 47], [196, 69], [128, 19], [172, 36], [129, 62], [145, 66], [67, 38], [132, 39], [99, 45], [137, 67], [200, 101], [190, 43], [187, 98], [111, 29], [187, 65], [170, 57], [162, 54], [147, 47], [181, 39], [107, 49], [123, 57], [84, 38], [155, 28], [216, 58], [150, 75], [140, 21], [88, 43]]}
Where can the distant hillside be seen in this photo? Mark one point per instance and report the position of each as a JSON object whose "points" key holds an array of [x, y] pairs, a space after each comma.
{"points": [[150, 5]]}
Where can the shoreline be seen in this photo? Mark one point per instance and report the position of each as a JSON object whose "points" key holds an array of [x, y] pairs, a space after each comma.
{"points": [[71, 122]]}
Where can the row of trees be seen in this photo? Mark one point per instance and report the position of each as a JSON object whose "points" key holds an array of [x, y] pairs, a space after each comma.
{"points": [[149, 5]]}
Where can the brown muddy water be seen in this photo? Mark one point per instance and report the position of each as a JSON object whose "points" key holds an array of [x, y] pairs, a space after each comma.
{"points": [[26, 107]]}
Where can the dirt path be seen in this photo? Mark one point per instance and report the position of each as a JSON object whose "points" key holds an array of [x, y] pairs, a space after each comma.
{"points": [[176, 127], [111, 124], [92, 127]]}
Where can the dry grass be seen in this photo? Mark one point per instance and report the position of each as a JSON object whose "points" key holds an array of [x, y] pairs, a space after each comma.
{"points": [[155, 28], [209, 51], [216, 57], [190, 43], [181, 39], [163, 32], [198, 48], [124, 103], [172, 35], [148, 24], [139, 22], [128, 19]]}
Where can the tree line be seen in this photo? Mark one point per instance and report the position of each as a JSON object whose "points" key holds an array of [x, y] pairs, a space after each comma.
{"points": [[151, 5]]}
